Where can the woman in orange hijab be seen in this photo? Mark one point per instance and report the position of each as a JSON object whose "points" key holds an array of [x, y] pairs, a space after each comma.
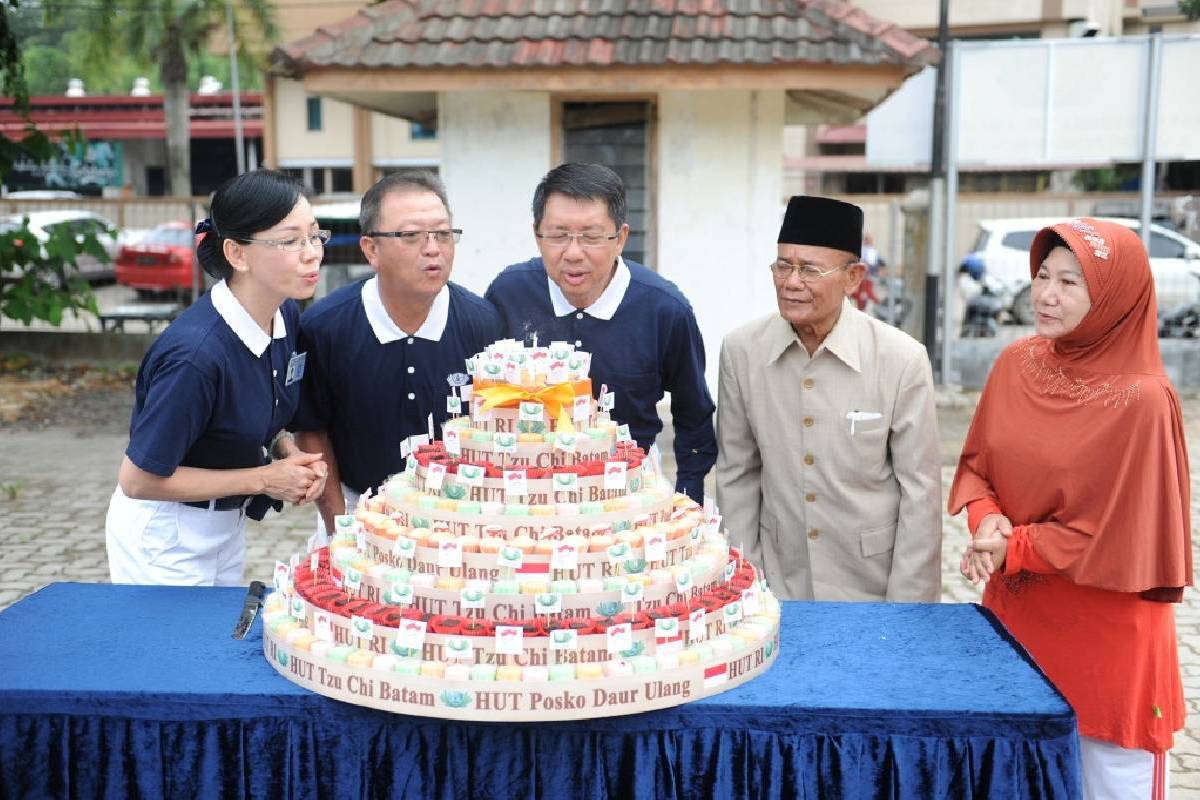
{"points": [[1075, 479]]}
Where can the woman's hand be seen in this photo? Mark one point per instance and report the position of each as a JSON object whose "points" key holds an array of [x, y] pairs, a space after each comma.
{"points": [[984, 556], [992, 524], [292, 479]]}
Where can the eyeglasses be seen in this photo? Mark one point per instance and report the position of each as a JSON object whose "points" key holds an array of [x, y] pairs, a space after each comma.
{"points": [[294, 244], [563, 239], [782, 270], [413, 238]]}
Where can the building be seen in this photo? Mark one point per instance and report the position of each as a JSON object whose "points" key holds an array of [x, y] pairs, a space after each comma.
{"points": [[831, 159], [126, 151], [687, 101]]}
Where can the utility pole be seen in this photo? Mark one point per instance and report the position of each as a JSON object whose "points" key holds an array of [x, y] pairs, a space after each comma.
{"points": [[937, 197], [237, 94]]}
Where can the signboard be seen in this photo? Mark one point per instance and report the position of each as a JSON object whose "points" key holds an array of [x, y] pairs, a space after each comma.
{"points": [[84, 167]]}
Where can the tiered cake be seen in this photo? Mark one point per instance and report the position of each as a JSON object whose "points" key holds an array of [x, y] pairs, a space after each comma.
{"points": [[534, 564]]}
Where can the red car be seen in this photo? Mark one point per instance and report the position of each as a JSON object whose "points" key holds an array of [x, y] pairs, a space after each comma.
{"points": [[160, 262]]}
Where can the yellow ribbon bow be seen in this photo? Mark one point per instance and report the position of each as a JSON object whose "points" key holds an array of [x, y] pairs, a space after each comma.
{"points": [[558, 400]]}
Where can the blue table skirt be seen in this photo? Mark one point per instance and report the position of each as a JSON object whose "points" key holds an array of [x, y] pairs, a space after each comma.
{"points": [[120, 691]]}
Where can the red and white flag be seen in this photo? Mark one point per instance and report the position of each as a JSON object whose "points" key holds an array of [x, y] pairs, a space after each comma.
{"points": [[715, 676]]}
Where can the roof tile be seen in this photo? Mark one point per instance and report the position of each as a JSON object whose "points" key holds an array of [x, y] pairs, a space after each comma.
{"points": [[414, 34]]}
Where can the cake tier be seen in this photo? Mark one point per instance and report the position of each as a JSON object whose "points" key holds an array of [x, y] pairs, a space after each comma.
{"points": [[548, 666], [532, 410], [550, 515]]}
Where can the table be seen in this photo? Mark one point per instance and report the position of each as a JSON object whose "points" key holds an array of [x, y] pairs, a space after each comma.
{"points": [[124, 691]]}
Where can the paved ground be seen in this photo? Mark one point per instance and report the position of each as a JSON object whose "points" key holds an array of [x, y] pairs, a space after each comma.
{"points": [[58, 470]]}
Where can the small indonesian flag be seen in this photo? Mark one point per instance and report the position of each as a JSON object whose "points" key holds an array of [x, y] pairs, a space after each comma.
{"points": [[534, 568], [715, 675]]}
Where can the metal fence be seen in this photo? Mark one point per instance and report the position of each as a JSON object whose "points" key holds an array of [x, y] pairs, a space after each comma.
{"points": [[132, 213]]}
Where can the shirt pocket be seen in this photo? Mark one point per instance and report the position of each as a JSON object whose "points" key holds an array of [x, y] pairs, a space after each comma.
{"points": [[877, 541], [866, 447]]}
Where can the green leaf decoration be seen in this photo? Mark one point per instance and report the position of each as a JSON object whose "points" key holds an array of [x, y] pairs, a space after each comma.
{"points": [[635, 565], [609, 609], [456, 699], [282, 658], [637, 649]]}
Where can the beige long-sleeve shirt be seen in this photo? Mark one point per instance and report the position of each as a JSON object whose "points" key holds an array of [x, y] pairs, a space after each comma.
{"points": [[828, 470]]}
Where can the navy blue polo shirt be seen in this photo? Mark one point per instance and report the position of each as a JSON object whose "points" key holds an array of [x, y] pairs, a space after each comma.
{"points": [[204, 398], [650, 345], [370, 394]]}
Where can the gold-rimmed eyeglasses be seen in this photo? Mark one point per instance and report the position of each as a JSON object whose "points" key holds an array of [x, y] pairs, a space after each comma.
{"points": [[585, 239], [783, 270]]}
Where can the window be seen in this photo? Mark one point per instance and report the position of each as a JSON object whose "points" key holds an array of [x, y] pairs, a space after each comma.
{"points": [[318, 181], [314, 113], [418, 131], [1018, 240], [1164, 246], [341, 179]]}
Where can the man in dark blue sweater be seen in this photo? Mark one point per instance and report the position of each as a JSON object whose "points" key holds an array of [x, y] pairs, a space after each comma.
{"points": [[379, 350], [639, 328]]}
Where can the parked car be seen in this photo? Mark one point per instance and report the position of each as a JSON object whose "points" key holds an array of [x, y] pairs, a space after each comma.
{"points": [[79, 223], [1001, 251], [160, 262]]}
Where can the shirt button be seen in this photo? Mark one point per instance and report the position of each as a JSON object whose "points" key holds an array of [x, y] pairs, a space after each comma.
{"points": [[578, 343], [411, 370], [274, 373], [810, 497], [579, 315], [808, 422], [276, 401], [808, 459], [813, 533], [808, 383], [410, 340], [412, 396]]}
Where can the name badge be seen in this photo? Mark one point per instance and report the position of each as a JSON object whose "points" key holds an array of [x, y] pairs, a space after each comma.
{"points": [[295, 368]]}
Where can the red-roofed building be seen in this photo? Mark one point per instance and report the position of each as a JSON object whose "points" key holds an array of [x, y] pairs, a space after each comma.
{"points": [[127, 139]]}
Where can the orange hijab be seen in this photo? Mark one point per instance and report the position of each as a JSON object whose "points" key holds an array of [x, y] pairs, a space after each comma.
{"points": [[1080, 439]]}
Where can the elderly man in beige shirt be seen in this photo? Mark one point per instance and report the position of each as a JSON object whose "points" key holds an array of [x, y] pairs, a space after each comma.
{"points": [[828, 470]]}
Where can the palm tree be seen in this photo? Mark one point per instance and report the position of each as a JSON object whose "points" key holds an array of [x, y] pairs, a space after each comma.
{"points": [[167, 32]]}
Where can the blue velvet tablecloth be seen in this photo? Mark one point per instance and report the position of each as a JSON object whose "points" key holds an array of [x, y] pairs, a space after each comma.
{"points": [[122, 691]]}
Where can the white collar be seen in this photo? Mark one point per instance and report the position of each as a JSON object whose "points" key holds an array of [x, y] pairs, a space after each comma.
{"points": [[240, 321], [605, 305], [385, 328]]}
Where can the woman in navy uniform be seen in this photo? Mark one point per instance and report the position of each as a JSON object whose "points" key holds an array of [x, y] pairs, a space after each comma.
{"points": [[215, 391]]}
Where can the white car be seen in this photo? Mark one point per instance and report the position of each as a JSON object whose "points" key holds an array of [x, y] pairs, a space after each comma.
{"points": [[79, 223], [1001, 253]]}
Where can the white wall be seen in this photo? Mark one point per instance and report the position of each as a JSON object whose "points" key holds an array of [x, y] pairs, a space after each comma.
{"points": [[495, 147], [720, 184]]}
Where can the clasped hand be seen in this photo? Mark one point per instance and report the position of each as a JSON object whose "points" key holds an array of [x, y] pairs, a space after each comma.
{"points": [[299, 478], [986, 551]]}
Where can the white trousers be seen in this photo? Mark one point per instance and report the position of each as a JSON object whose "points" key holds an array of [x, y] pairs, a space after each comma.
{"points": [[167, 543], [1118, 773]]}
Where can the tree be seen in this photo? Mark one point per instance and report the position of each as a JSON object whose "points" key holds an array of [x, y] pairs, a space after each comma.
{"points": [[169, 33], [35, 279], [1190, 8]]}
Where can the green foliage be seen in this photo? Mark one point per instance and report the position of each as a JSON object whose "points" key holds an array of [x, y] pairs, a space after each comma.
{"points": [[1190, 8], [1106, 179], [38, 279]]}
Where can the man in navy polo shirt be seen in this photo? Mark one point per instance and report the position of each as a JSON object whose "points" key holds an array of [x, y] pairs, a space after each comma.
{"points": [[639, 328], [380, 350]]}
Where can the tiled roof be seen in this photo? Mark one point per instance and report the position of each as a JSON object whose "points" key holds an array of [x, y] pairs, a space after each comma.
{"points": [[500, 34]]}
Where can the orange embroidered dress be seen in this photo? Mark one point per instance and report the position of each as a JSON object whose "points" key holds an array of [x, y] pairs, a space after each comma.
{"points": [[1079, 442]]}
